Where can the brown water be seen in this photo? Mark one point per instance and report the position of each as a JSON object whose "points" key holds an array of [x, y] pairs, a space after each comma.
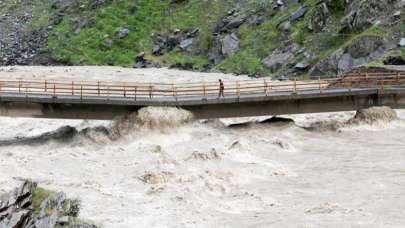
{"points": [[317, 172], [208, 175]]}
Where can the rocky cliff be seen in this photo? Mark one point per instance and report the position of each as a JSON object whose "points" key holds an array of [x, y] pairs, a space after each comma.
{"points": [[31, 206], [281, 38]]}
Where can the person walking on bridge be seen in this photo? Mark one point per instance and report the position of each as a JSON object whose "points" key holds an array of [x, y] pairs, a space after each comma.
{"points": [[221, 89]]}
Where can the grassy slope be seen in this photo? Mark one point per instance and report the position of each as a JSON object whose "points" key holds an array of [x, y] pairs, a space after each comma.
{"points": [[147, 17], [142, 18]]}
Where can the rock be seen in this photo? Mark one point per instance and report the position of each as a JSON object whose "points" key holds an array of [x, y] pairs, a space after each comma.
{"points": [[185, 44], [47, 221], [303, 65], [172, 42], [287, 26], [167, 42], [141, 62], [230, 22], [177, 1], [123, 33], [299, 13], [193, 33], [63, 220], [257, 20], [17, 220], [359, 52], [18, 45], [215, 52], [277, 59], [319, 18], [394, 60], [157, 50], [57, 17], [230, 44], [360, 15], [17, 209], [140, 57], [402, 42], [346, 63], [83, 22], [282, 4], [109, 43], [96, 3], [398, 13]]}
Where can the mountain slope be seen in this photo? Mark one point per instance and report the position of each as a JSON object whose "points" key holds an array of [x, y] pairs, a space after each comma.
{"points": [[280, 38]]}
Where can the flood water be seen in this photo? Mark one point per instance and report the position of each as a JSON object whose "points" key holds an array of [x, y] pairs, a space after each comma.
{"points": [[176, 173], [161, 169]]}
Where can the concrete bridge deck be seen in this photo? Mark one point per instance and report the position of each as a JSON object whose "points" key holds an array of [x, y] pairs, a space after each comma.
{"points": [[105, 100]]}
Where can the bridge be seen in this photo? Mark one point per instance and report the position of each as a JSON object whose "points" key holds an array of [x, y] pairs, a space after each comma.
{"points": [[105, 100]]}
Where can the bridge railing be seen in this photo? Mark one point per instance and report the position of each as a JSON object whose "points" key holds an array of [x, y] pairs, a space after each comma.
{"points": [[236, 88]]}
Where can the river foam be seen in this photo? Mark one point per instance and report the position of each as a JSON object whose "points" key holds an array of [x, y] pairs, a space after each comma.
{"points": [[139, 171], [186, 173]]}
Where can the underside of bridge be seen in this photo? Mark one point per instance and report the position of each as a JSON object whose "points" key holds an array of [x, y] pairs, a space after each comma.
{"points": [[332, 101]]}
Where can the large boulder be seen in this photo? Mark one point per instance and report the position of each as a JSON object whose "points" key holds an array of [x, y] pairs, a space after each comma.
{"points": [[361, 51], [31, 207], [142, 62], [230, 44], [215, 52], [319, 17], [360, 15], [277, 59], [167, 42], [232, 21], [299, 13]]}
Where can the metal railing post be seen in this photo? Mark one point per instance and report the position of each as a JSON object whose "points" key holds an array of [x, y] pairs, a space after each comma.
{"points": [[54, 89], [125, 91], [73, 88], [237, 89], [98, 88], [265, 87], [150, 91], [135, 90], [81, 92], [398, 77], [175, 92], [295, 85], [46, 86]]}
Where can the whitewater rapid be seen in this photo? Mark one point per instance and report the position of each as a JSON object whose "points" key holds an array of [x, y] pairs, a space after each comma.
{"points": [[178, 172], [218, 174]]}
